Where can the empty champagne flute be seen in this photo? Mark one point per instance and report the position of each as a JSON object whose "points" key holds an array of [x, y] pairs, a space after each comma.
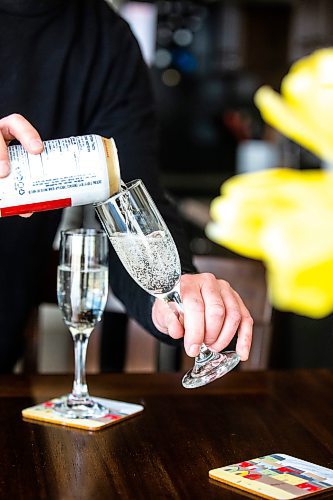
{"points": [[147, 250], [82, 288]]}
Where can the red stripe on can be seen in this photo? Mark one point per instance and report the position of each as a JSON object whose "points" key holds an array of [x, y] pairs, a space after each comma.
{"points": [[35, 207]]}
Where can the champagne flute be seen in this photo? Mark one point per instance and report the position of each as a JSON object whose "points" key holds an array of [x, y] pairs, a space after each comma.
{"points": [[82, 288], [147, 250]]}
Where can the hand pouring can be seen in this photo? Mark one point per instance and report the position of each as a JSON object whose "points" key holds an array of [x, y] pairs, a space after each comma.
{"points": [[69, 172]]}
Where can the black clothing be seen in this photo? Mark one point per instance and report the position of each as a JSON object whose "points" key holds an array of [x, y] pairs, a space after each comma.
{"points": [[71, 68]]}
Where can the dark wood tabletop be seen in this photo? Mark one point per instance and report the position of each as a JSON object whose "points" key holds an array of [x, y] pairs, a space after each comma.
{"points": [[166, 451]]}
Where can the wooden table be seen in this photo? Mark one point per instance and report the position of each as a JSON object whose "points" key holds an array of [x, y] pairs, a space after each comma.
{"points": [[167, 451]]}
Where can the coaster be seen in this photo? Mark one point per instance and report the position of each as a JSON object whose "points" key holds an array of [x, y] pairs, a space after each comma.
{"points": [[277, 477], [119, 410]]}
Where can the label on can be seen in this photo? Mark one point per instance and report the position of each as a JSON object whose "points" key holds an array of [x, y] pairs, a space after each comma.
{"points": [[69, 172]]}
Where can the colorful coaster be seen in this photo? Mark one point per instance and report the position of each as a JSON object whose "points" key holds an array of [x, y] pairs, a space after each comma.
{"points": [[276, 476], [119, 410]]}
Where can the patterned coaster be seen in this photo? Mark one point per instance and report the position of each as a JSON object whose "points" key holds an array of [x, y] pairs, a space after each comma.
{"points": [[119, 410], [277, 476]]}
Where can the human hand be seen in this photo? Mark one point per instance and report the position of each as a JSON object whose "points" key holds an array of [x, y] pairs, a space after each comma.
{"points": [[213, 314], [15, 126]]}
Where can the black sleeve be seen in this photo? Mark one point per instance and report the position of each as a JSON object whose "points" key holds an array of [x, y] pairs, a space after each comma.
{"points": [[126, 113]]}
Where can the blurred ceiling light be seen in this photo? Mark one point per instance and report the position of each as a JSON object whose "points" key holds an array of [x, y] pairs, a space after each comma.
{"points": [[185, 60], [162, 58], [183, 37], [171, 77]]}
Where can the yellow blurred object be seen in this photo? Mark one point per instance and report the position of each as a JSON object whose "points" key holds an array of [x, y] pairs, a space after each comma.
{"points": [[285, 218], [299, 260], [304, 110]]}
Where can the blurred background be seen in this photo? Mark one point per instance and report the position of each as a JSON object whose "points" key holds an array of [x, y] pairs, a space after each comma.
{"points": [[207, 59]]}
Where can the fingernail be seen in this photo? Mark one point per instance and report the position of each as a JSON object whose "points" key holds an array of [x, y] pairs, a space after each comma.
{"points": [[36, 144], [4, 168], [194, 350]]}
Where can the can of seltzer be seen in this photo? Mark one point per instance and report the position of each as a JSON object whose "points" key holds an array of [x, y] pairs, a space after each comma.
{"points": [[69, 172]]}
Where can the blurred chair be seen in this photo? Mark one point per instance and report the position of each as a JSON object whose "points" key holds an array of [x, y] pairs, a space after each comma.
{"points": [[29, 362], [46, 294], [247, 277]]}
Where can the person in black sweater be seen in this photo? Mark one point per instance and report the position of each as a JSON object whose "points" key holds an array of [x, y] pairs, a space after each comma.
{"points": [[73, 67]]}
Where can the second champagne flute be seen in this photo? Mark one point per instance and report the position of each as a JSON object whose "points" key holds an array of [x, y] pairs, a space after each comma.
{"points": [[82, 292], [147, 250]]}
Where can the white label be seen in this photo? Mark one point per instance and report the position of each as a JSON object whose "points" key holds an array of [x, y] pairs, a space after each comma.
{"points": [[74, 168]]}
